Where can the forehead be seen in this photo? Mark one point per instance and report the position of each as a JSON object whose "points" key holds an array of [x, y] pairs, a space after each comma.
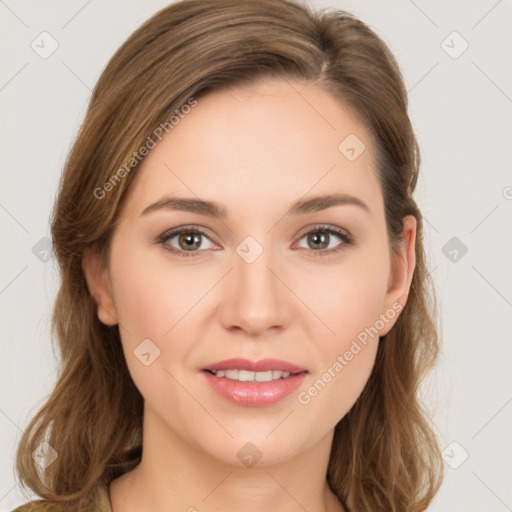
{"points": [[274, 140]]}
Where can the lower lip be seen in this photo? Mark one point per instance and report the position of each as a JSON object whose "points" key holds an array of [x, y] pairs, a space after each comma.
{"points": [[254, 394]]}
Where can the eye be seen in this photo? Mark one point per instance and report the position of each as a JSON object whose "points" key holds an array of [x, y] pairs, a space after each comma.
{"points": [[321, 240], [184, 241], [189, 241]]}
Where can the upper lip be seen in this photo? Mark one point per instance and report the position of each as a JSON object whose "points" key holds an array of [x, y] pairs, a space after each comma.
{"points": [[263, 365]]}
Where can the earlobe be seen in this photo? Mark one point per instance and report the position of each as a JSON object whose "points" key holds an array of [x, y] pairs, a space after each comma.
{"points": [[401, 273], [97, 277]]}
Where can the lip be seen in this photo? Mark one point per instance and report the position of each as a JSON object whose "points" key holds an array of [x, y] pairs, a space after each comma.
{"points": [[263, 365], [255, 394]]}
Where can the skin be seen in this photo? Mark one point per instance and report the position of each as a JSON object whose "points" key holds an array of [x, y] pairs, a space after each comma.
{"points": [[255, 150]]}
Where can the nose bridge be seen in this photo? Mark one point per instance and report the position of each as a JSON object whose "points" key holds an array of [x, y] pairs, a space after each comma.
{"points": [[255, 300]]}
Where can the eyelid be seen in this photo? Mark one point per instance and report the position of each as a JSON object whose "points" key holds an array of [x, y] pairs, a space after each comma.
{"points": [[178, 230], [345, 236], [325, 227]]}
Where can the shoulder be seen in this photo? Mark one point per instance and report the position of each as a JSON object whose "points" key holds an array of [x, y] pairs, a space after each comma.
{"points": [[99, 501]]}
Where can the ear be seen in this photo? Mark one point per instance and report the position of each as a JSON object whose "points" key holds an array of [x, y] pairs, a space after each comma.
{"points": [[98, 281], [401, 274]]}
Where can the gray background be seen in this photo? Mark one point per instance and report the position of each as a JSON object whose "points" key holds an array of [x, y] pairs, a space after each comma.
{"points": [[460, 105]]}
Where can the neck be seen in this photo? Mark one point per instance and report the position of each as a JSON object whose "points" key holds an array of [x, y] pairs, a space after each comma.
{"points": [[174, 475]]}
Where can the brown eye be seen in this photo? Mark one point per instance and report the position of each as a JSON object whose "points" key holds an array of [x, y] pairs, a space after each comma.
{"points": [[189, 241], [323, 240], [185, 241], [320, 239]]}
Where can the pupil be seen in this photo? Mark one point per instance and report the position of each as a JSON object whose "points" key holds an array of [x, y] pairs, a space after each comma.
{"points": [[190, 240], [320, 238]]}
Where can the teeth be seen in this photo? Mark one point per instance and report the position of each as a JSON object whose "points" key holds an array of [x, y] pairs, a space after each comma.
{"points": [[248, 376]]}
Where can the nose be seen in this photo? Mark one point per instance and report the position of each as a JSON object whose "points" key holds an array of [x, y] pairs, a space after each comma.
{"points": [[255, 299]]}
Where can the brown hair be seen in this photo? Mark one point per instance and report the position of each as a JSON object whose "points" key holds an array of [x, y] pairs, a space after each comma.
{"points": [[384, 456]]}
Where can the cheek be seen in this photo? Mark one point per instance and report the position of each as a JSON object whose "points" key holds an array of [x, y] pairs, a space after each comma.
{"points": [[350, 306], [156, 302], [349, 299], [148, 308], [345, 358], [151, 295]]}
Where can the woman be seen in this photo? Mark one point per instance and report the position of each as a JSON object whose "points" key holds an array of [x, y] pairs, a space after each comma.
{"points": [[245, 314]]}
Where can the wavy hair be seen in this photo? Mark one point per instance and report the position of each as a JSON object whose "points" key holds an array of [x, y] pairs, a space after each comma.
{"points": [[385, 454]]}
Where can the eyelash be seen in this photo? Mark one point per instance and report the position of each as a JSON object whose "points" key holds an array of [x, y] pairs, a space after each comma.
{"points": [[345, 237]]}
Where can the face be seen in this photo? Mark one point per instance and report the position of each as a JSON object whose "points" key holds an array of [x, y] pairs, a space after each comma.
{"points": [[278, 274]]}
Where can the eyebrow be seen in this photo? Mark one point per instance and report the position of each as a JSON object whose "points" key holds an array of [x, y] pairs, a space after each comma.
{"points": [[212, 209]]}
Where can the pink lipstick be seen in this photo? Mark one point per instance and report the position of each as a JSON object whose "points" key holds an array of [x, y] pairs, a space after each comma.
{"points": [[254, 383]]}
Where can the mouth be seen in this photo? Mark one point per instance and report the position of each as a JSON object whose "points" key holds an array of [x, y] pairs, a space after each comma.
{"points": [[254, 383], [262, 366], [249, 376]]}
